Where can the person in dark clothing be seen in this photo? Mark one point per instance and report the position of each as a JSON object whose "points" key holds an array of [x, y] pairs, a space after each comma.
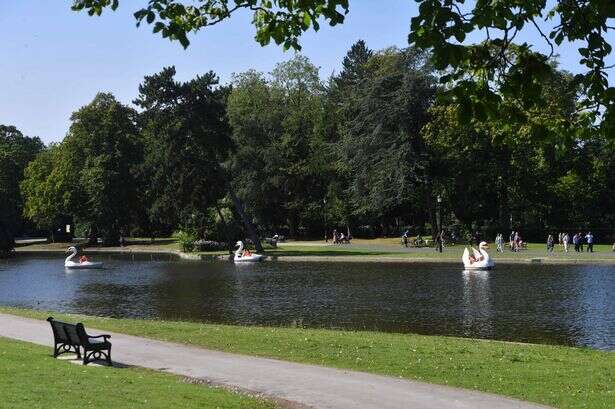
{"points": [[439, 240]]}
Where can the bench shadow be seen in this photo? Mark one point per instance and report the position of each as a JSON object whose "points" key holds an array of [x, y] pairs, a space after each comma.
{"points": [[73, 359]]}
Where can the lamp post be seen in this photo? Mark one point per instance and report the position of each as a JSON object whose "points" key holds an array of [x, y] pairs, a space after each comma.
{"points": [[324, 211], [438, 225]]}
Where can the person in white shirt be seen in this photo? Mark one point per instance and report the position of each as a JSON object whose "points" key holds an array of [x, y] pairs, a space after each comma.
{"points": [[590, 242], [565, 240]]}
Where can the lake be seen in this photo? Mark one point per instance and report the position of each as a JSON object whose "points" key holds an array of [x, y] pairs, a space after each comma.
{"points": [[557, 304]]}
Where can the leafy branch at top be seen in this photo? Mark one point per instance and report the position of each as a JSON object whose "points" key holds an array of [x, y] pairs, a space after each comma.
{"points": [[282, 21]]}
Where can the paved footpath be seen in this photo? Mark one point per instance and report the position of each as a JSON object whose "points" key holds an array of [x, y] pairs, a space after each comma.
{"points": [[307, 385]]}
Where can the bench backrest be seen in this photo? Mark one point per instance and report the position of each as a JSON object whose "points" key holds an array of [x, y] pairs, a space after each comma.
{"points": [[83, 336], [64, 332]]}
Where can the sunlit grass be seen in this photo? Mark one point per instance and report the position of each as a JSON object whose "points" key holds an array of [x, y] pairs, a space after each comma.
{"points": [[31, 378], [560, 376]]}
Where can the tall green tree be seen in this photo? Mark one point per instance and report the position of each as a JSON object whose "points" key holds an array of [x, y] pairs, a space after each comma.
{"points": [[16, 150], [187, 138], [280, 158], [96, 165], [42, 190], [381, 149]]}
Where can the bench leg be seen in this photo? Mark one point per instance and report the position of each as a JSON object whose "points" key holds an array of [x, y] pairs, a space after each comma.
{"points": [[97, 355], [60, 348]]}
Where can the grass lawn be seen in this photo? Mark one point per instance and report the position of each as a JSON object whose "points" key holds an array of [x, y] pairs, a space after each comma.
{"points": [[31, 378], [559, 376], [362, 249]]}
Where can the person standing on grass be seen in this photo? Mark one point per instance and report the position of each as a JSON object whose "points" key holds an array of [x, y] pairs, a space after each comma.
{"points": [[560, 240], [581, 237], [404, 238], [517, 241], [511, 241], [575, 241], [550, 244], [565, 241], [590, 242]]}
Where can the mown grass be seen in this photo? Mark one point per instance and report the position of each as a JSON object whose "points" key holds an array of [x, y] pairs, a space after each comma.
{"points": [[559, 376], [31, 378], [362, 249]]}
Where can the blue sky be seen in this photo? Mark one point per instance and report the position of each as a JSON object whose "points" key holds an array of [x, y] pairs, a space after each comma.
{"points": [[54, 60]]}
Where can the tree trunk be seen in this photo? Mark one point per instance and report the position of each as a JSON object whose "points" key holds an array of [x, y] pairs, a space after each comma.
{"points": [[229, 241], [92, 236], [7, 242], [245, 219]]}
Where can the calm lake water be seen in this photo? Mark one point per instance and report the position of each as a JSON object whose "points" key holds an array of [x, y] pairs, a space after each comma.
{"points": [[570, 305]]}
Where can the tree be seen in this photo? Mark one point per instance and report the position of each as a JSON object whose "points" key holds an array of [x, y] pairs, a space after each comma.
{"points": [[187, 138], [40, 190], [484, 73], [281, 20], [16, 150], [279, 161], [381, 149], [443, 26], [96, 166], [496, 172]]}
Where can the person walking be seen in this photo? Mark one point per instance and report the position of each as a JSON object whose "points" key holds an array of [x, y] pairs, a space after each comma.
{"points": [[560, 240], [565, 241], [511, 241], [499, 242], [575, 241], [550, 244], [581, 237], [590, 242]]}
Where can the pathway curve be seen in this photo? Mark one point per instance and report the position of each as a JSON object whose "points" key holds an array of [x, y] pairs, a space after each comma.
{"points": [[309, 385]]}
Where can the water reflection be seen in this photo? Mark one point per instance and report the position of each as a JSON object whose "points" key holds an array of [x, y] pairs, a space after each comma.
{"points": [[477, 305], [569, 305]]}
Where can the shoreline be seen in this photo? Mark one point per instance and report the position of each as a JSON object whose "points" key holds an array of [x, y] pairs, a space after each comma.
{"points": [[342, 258]]}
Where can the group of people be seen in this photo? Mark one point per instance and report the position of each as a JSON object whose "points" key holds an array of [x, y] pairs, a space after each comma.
{"points": [[341, 238], [439, 240], [578, 241], [515, 242]]}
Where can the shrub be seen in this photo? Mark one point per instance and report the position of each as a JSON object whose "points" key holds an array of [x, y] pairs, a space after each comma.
{"points": [[186, 240], [209, 245]]}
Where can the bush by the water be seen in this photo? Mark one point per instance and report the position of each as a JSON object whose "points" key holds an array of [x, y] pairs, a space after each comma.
{"points": [[186, 240], [209, 245]]}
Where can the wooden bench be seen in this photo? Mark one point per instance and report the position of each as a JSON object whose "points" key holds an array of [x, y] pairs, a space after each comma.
{"points": [[72, 337]]}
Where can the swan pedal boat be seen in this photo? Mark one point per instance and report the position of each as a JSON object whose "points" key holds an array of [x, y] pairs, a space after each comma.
{"points": [[241, 258], [482, 260], [68, 263]]}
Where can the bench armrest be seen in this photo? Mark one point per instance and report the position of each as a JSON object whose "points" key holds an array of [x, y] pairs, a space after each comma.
{"points": [[105, 336]]}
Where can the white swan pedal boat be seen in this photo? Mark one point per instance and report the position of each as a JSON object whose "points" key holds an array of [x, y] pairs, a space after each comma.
{"points": [[69, 263], [479, 259], [240, 257]]}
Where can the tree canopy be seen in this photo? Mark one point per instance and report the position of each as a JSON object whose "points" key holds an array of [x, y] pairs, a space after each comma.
{"points": [[367, 151], [282, 21], [16, 151], [472, 41]]}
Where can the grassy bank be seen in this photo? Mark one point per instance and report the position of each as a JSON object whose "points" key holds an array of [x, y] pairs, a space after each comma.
{"points": [[559, 376], [32, 378], [388, 249]]}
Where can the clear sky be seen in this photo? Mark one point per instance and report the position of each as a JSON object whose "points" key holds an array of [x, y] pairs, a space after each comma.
{"points": [[54, 60]]}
